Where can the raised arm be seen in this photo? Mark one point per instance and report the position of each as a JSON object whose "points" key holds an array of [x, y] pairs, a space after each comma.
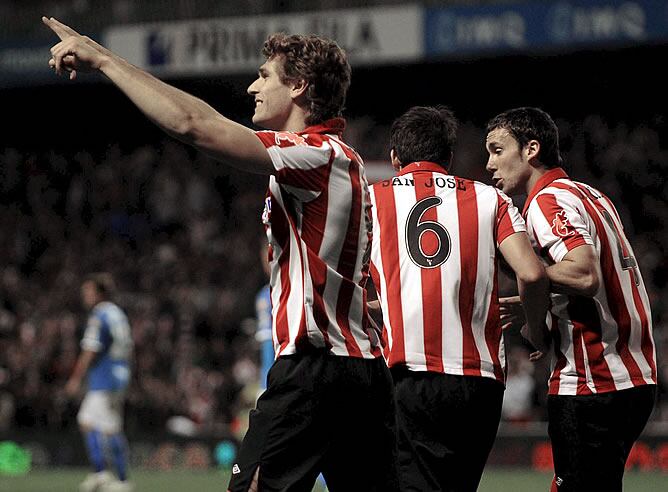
{"points": [[533, 287], [178, 113]]}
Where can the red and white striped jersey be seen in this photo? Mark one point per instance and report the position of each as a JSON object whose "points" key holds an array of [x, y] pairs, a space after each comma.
{"points": [[434, 265], [318, 222], [602, 343]]}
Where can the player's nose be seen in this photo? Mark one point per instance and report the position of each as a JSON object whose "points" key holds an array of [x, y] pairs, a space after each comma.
{"points": [[253, 88]]}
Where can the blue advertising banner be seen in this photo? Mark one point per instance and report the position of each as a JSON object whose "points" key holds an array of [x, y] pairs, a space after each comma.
{"points": [[525, 27]]}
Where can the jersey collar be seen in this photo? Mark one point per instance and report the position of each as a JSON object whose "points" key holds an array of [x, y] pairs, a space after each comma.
{"points": [[424, 166], [333, 126], [543, 182]]}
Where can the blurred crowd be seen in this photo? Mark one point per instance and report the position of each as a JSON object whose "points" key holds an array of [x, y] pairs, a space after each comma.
{"points": [[181, 234]]}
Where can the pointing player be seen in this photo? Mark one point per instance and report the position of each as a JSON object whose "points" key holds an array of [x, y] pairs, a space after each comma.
{"points": [[603, 383], [105, 361], [436, 242], [328, 405]]}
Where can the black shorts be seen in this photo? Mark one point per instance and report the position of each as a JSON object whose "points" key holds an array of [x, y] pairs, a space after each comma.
{"points": [[321, 414], [592, 436], [446, 426]]}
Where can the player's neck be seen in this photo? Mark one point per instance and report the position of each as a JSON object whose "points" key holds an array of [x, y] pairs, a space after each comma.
{"points": [[536, 174], [295, 122]]}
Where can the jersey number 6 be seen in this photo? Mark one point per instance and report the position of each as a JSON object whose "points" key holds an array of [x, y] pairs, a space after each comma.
{"points": [[416, 229]]}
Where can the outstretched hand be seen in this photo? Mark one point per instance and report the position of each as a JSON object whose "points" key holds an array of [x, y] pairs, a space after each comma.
{"points": [[74, 52]]}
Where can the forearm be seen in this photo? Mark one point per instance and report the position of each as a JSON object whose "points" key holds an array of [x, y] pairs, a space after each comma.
{"points": [[571, 278], [170, 108], [83, 363], [535, 301]]}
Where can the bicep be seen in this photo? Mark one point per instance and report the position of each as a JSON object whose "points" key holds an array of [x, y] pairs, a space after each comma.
{"points": [[517, 251], [583, 259], [232, 143]]}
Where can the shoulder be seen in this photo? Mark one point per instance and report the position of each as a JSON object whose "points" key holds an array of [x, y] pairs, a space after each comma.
{"points": [[286, 140]]}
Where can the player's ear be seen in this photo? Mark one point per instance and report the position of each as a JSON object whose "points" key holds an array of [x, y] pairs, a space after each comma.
{"points": [[394, 159], [532, 148], [298, 88]]}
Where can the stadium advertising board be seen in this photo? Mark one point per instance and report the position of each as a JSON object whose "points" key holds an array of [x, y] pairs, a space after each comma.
{"points": [[523, 27], [232, 45]]}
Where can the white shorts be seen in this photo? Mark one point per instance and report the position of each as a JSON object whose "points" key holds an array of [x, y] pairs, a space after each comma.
{"points": [[103, 411]]}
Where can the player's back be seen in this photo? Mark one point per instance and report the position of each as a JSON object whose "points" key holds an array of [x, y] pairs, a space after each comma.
{"points": [[434, 264], [108, 334]]}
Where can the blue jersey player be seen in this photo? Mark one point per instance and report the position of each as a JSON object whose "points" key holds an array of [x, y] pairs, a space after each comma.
{"points": [[106, 348], [263, 316], [263, 334]]}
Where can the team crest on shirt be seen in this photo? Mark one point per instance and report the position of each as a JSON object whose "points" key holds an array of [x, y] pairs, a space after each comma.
{"points": [[561, 226], [289, 138]]}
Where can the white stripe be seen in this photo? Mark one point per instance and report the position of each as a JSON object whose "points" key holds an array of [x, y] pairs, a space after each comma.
{"points": [[487, 212], [452, 340], [411, 285], [377, 260]]}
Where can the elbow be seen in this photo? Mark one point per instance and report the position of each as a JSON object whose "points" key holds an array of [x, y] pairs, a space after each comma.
{"points": [[533, 277], [589, 284], [184, 127]]}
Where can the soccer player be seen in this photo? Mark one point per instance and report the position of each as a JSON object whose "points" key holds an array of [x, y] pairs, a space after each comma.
{"points": [[328, 405], [436, 242], [105, 361], [603, 382]]}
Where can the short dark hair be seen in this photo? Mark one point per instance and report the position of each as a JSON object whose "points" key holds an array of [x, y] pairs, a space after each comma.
{"points": [[104, 283], [425, 133], [318, 61], [527, 123]]}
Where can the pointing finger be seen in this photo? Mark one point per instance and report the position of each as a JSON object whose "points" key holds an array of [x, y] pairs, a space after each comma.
{"points": [[64, 27], [56, 29]]}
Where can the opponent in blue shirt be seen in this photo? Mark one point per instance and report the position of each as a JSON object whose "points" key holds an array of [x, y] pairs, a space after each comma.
{"points": [[105, 362], [263, 334]]}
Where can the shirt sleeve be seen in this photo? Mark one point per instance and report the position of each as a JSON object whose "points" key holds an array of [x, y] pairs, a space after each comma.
{"points": [[92, 339], [300, 161], [508, 218], [558, 224]]}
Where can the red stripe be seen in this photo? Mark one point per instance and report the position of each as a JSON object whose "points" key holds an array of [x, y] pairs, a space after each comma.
{"points": [[432, 302], [386, 211], [347, 263], [313, 232], [613, 290], [467, 211]]}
